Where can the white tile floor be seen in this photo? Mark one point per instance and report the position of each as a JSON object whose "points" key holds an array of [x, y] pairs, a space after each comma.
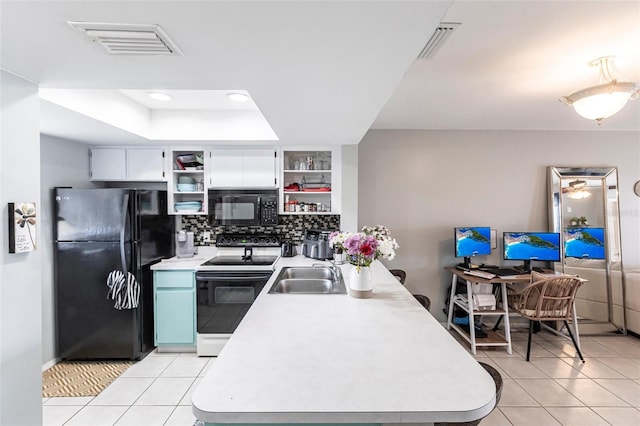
{"points": [[154, 391], [555, 388]]}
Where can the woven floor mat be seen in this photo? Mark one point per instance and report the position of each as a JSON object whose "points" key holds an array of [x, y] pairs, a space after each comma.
{"points": [[81, 378]]}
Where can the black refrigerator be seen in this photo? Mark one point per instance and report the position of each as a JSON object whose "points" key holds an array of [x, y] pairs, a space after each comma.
{"points": [[97, 231]]}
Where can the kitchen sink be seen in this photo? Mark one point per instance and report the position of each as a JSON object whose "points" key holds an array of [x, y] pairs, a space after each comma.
{"points": [[311, 280], [319, 272]]}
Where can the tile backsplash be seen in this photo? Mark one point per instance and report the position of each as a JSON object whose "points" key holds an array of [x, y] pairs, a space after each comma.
{"points": [[290, 227]]}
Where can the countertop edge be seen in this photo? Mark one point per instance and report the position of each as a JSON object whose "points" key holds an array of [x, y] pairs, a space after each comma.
{"points": [[344, 417]]}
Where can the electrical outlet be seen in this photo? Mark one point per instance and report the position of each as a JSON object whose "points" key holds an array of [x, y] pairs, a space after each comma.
{"points": [[206, 236]]}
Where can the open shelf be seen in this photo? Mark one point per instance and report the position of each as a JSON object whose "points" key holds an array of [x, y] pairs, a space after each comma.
{"points": [[308, 169], [197, 177]]}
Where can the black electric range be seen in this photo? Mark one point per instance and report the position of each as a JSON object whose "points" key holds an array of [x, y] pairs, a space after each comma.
{"points": [[228, 284], [238, 260]]}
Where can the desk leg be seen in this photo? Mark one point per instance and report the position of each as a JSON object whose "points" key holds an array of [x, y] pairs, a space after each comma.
{"points": [[454, 281], [507, 324], [472, 327]]}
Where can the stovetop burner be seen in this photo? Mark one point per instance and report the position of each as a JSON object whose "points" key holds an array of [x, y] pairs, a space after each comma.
{"points": [[238, 261]]}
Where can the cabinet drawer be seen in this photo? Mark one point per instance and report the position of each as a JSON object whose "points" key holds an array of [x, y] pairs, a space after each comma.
{"points": [[174, 279]]}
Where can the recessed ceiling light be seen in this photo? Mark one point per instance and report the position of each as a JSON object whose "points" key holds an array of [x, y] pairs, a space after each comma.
{"points": [[159, 96], [237, 97]]}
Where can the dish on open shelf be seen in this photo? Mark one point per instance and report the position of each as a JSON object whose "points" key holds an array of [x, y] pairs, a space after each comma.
{"points": [[316, 189], [186, 187], [188, 206]]}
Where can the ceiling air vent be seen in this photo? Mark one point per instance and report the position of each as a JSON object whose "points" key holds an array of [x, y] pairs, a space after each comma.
{"points": [[128, 39], [439, 37]]}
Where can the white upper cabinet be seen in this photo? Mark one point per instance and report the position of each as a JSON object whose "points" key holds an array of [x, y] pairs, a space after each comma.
{"points": [[146, 164], [225, 167], [242, 167], [108, 163]]}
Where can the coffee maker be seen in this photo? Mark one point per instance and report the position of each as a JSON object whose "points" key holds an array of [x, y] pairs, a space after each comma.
{"points": [[184, 244], [287, 249]]}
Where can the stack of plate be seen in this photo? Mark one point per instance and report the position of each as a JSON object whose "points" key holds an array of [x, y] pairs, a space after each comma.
{"points": [[188, 206], [186, 187], [186, 179]]}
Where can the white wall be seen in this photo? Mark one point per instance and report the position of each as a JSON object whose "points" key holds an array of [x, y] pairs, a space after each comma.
{"points": [[421, 184], [20, 274], [349, 187], [63, 163]]}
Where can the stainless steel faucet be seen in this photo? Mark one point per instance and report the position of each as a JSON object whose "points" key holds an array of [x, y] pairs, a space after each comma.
{"points": [[331, 265]]}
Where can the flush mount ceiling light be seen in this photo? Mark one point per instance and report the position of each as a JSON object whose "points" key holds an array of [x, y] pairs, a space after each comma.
{"points": [[579, 194], [608, 97], [577, 184], [577, 190], [237, 97], [159, 96]]}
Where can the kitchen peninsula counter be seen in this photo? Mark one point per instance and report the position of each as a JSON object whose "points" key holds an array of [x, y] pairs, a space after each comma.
{"points": [[330, 358]]}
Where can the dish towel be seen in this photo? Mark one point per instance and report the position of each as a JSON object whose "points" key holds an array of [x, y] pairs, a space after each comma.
{"points": [[124, 290]]}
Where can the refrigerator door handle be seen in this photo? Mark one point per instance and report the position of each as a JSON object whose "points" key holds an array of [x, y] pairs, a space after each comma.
{"points": [[123, 258]]}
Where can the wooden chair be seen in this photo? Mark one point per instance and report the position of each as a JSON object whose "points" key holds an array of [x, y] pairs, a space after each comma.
{"points": [[402, 276], [546, 299]]}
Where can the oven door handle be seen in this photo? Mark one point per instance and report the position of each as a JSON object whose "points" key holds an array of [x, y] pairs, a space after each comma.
{"points": [[232, 277]]}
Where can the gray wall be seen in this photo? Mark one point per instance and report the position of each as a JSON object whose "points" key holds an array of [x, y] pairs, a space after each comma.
{"points": [[421, 184], [63, 163], [20, 274]]}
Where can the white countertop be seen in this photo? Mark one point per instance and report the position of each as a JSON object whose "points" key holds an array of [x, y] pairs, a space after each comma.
{"points": [[205, 253], [190, 263], [299, 358]]}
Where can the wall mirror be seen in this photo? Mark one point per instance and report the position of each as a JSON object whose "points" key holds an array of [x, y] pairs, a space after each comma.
{"points": [[583, 208]]}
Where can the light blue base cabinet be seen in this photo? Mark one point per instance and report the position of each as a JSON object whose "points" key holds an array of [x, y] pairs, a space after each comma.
{"points": [[174, 311]]}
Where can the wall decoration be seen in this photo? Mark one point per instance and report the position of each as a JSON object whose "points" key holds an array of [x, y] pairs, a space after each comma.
{"points": [[22, 227]]}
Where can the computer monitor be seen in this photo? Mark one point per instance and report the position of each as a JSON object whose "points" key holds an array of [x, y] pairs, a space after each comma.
{"points": [[528, 246], [472, 241], [584, 243]]}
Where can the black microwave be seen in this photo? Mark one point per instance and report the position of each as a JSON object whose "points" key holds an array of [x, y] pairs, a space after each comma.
{"points": [[243, 207]]}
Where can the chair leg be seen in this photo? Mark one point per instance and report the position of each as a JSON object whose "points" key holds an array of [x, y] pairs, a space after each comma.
{"points": [[529, 341], [495, 327], [574, 341]]}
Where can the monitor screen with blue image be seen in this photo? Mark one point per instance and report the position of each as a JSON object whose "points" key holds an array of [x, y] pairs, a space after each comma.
{"points": [[584, 243], [528, 246], [472, 241]]}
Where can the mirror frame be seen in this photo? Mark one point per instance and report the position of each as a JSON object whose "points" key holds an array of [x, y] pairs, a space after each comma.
{"points": [[608, 177]]}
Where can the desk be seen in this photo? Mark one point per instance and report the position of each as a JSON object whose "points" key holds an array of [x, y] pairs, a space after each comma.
{"points": [[492, 339]]}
